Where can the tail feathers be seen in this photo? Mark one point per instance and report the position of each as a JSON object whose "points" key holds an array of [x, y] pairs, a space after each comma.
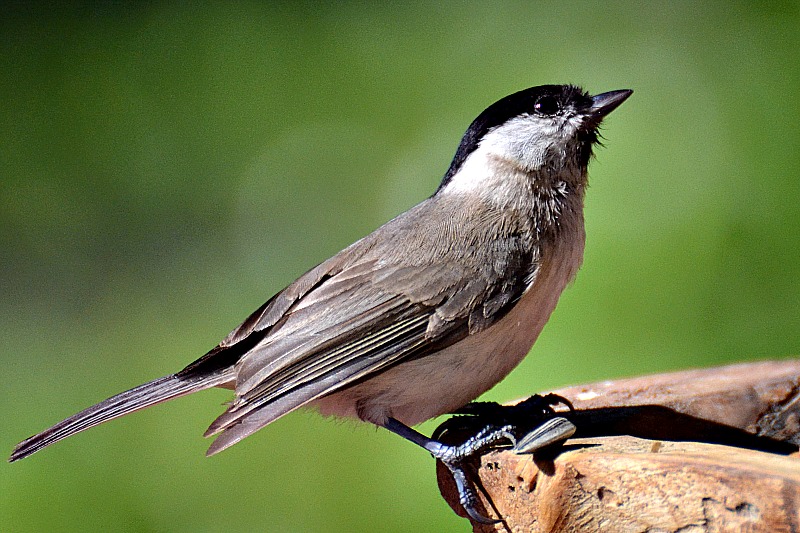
{"points": [[151, 393]]}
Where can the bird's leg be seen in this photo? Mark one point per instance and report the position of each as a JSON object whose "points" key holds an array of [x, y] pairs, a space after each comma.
{"points": [[453, 458], [490, 435]]}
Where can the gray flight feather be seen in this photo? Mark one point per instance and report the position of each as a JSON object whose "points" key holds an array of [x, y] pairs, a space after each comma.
{"points": [[370, 307]]}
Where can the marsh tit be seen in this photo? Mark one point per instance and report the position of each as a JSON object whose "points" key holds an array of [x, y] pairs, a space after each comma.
{"points": [[427, 312]]}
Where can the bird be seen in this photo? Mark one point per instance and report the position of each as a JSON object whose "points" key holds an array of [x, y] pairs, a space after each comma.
{"points": [[426, 313]]}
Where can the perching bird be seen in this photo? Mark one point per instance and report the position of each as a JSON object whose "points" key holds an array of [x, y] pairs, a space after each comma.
{"points": [[427, 312]]}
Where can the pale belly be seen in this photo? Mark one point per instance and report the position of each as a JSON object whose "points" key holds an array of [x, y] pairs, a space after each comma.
{"points": [[439, 383]]}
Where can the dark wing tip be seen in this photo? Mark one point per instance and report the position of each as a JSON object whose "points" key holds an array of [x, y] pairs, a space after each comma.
{"points": [[25, 448]]}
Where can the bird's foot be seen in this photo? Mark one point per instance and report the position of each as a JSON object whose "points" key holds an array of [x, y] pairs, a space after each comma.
{"points": [[521, 437], [526, 427], [455, 458], [535, 407]]}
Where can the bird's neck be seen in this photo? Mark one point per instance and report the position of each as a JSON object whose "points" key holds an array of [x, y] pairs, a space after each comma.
{"points": [[550, 201]]}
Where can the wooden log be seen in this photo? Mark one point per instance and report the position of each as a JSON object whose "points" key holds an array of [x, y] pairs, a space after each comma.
{"points": [[714, 457]]}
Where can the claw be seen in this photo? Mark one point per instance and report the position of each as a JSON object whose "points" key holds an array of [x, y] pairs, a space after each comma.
{"points": [[554, 399], [466, 494]]}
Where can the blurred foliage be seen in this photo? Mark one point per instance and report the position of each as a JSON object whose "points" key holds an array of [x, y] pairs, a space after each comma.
{"points": [[165, 169]]}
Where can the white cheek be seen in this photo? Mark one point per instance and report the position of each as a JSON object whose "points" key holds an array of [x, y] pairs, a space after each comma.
{"points": [[522, 145]]}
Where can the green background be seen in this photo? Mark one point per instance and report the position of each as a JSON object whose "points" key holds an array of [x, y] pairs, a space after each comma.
{"points": [[166, 169]]}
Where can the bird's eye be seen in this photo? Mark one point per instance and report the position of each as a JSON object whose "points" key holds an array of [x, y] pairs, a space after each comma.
{"points": [[547, 105]]}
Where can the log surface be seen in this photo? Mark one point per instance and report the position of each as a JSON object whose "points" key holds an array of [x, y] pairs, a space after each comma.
{"points": [[695, 451]]}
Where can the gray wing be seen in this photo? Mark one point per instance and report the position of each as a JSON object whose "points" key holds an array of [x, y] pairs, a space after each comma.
{"points": [[365, 310]]}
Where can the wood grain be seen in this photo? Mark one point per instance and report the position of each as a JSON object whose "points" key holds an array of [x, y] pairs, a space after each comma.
{"points": [[694, 451]]}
